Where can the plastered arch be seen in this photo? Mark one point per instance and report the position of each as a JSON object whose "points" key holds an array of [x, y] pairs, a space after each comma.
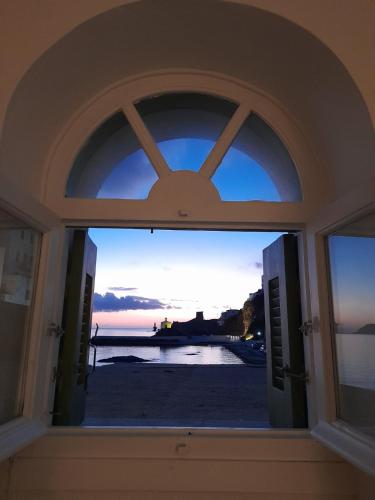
{"points": [[266, 51]]}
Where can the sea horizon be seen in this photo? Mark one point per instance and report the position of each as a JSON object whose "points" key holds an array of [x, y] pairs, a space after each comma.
{"points": [[126, 331]]}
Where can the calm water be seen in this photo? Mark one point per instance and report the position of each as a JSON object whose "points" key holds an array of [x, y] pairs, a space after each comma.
{"points": [[185, 355], [124, 332]]}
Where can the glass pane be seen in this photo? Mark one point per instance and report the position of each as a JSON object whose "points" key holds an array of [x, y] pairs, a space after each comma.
{"points": [[352, 268], [240, 178], [18, 252], [112, 164], [257, 166], [185, 126], [186, 154]]}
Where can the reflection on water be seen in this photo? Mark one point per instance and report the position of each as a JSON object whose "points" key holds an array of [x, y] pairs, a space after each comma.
{"points": [[185, 355]]}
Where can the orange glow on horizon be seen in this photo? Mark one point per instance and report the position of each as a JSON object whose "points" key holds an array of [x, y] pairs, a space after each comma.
{"points": [[133, 319]]}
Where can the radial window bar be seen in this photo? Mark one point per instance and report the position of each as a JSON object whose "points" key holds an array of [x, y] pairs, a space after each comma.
{"points": [[185, 126]]}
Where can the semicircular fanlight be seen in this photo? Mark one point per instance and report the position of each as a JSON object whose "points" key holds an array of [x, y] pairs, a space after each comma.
{"points": [[186, 126]]}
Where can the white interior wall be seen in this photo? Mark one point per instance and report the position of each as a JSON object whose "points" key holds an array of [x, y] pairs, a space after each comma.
{"points": [[48, 25]]}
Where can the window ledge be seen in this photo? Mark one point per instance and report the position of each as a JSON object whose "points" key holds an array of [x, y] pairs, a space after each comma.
{"points": [[181, 443], [17, 434]]}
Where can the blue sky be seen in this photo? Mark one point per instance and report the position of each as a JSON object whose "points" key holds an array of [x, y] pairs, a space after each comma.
{"points": [[174, 273], [353, 281], [237, 178]]}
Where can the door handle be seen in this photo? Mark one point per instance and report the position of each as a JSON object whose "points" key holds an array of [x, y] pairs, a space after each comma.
{"points": [[303, 376]]}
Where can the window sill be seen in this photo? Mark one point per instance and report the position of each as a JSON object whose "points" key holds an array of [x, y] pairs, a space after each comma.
{"points": [[17, 434], [185, 443]]}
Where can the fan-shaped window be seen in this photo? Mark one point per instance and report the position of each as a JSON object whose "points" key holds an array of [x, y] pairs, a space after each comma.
{"points": [[112, 164], [257, 166], [134, 149], [185, 126]]}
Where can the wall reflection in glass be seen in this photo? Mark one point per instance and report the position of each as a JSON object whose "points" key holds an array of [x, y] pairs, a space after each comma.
{"points": [[352, 270], [18, 251]]}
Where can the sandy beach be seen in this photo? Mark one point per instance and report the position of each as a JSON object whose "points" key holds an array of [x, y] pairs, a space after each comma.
{"points": [[142, 394]]}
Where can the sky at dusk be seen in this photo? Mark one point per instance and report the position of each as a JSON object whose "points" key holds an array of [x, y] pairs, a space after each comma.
{"points": [[353, 282], [143, 278], [173, 274], [237, 178]]}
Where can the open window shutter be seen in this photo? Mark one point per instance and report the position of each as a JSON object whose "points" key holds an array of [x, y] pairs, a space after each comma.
{"points": [[285, 358], [73, 358]]}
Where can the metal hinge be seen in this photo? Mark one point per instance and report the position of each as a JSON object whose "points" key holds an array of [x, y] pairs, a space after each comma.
{"points": [[303, 376], [55, 330], [306, 328]]}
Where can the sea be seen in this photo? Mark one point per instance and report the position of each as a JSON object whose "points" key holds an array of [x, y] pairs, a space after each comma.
{"points": [[185, 355], [124, 332]]}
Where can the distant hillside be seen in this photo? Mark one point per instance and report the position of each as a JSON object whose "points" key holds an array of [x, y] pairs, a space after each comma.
{"points": [[368, 329]]}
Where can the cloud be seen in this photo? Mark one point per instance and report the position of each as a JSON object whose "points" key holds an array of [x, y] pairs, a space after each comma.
{"points": [[121, 288], [109, 302], [184, 300], [246, 267]]}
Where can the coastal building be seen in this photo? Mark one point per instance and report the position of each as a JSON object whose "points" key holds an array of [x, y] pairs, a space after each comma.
{"points": [[197, 326], [199, 316], [77, 78], [165, 324]]}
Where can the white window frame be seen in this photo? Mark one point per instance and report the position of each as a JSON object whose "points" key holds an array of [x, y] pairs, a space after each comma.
{"points": [[122, 96], [227, 215], [341, 437], [34, 417]]}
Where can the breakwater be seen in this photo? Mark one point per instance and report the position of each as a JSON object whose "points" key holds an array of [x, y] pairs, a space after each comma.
{"points": [[246, 354]]}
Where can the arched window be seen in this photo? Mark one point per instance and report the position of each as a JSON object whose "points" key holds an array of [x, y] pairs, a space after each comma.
{"points": [[186, 128]]}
